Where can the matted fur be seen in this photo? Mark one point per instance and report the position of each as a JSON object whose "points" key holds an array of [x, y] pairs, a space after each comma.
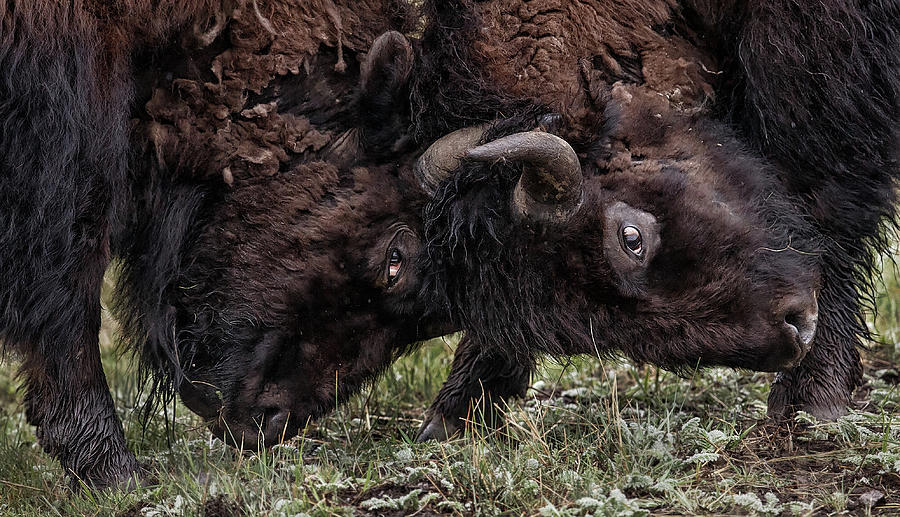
{"points": [[203, 77], [64, 101], [815, 91]]}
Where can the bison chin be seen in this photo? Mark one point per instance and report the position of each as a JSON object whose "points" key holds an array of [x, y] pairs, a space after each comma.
{"points": [[264, 408], [272, 426], [241, 427]]}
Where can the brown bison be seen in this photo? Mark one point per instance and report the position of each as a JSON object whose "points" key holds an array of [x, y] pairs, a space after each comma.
{"points": [[683, 229], [246, 163], [274, 253]]}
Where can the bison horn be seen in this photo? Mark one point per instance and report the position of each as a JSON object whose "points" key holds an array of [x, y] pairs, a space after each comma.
{"points": [[550, 188], [442, 157]]}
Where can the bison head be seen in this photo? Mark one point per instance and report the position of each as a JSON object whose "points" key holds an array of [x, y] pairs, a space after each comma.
{"points": [[288, 316], [662, 237], [297, 281]]}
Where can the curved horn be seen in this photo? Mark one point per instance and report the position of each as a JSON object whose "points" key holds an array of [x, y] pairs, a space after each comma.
{"points": [[442, 157], [550, 188]]}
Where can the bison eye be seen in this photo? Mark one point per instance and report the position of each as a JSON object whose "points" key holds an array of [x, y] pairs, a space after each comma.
{"points": [[631, 237], [397, 271], [394, 263]]}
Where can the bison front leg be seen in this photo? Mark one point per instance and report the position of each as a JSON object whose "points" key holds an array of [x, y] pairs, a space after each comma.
{"points": [[68, 400], [63, 157], [823, 383], [479, 379]]}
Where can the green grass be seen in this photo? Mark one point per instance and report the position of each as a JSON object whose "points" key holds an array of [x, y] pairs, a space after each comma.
{"points": [[592, 438]]}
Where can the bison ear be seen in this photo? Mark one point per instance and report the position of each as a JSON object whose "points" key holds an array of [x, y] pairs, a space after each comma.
{"points": [[387, 65], [384, 93]]}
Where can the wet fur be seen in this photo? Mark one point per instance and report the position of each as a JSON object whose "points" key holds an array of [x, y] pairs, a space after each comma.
{"points": [[817, 89], [65, 94]]}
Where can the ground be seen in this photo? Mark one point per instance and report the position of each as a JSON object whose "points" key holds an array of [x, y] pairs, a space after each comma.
{"points": [[592, 438]]}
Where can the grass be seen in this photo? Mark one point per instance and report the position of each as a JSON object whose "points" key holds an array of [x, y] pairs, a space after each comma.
{"points": [[592, 438]]}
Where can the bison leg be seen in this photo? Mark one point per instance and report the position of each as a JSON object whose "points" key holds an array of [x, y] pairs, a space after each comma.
{"points": [[63, 142], [76, 422], [823, 383], [478, 380], [68, 400]]}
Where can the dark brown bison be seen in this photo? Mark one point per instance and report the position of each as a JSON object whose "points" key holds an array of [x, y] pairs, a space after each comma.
{"points": [[684, 228], [291, 285], [64, 104], [270, 232], [246, 163]]}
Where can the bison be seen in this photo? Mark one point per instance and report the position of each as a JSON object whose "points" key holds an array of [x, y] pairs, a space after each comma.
{"points": [[254, 177], [650, 217], [240, 161], [728, 207]]}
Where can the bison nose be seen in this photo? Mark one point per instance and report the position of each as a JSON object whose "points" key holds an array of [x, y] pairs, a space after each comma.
{"points": [[277, 426], [271, 426], [800, 317]]}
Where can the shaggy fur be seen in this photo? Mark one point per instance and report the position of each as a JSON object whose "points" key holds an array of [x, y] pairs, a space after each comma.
{"points": [[257, 209], [274, 304], [63, 151], [213, 152], [834, 139], [817, 89]]}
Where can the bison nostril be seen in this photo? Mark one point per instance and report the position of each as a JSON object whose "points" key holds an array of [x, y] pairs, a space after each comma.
{"points": [[802, 324], [276, 425], [801, 314]]}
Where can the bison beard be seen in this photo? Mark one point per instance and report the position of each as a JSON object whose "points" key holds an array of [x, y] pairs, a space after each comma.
{"points": [[834, 139]]}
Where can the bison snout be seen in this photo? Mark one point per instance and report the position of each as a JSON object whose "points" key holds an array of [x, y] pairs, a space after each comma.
{"points": [[272, 427], [799, 318], [278, 426]]}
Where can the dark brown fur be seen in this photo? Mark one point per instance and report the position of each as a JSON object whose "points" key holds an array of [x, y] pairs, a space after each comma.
{"points": [[64, 100], [833, 140], [265, 191], [295, 162], [212, 147]]}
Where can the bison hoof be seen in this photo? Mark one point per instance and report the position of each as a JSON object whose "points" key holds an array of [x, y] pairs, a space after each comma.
{"points": [[824, 405], [437, 428], [127, 479]]}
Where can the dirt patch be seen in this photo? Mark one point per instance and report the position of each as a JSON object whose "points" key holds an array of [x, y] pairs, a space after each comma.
{"points": [[806, 468]]}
